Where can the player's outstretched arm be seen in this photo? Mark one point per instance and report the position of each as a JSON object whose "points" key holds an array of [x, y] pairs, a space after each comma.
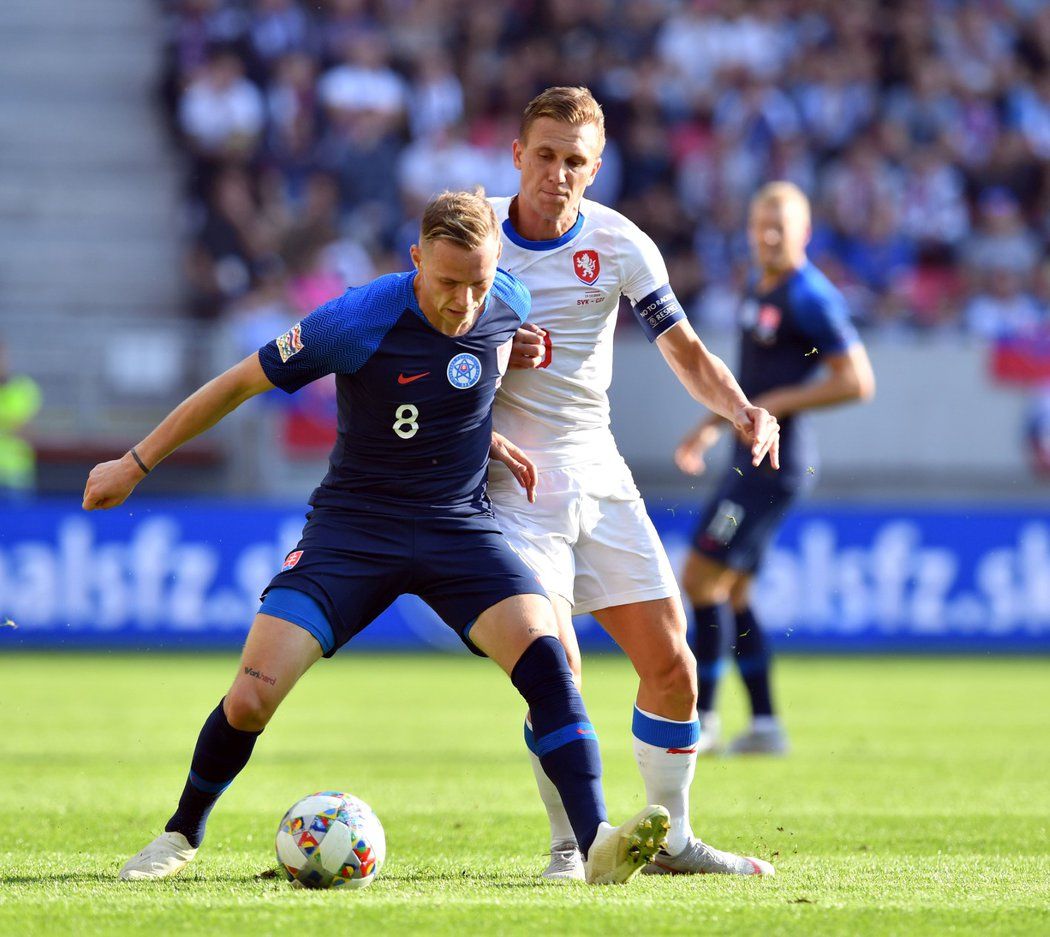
{"points": [[110, 483], [520, 465], [711, 383], [848, 376]]}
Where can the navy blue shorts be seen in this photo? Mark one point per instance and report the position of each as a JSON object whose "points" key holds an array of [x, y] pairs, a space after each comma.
{"points": [[353, 565], [741, 519]]}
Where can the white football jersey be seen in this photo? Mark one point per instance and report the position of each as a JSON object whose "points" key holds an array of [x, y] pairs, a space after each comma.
{"points": [[560, 413]]}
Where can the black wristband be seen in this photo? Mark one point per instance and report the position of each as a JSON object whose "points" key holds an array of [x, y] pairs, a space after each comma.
{"points": [[139, 462]]}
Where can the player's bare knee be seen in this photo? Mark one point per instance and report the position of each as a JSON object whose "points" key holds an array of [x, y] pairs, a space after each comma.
{"points": [[673, 679], [247, 708], [705, 582], [575, 665], [740, 593]]}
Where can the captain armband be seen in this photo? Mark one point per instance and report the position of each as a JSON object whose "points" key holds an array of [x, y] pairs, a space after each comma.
{"points": [[658, 311]]}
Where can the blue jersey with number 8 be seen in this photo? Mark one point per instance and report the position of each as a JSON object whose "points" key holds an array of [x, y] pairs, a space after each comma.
{"points": [[415, 405]]}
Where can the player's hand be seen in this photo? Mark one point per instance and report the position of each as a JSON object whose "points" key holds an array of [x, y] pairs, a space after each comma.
{"points": [[520, 465], [691, 451], [528, 350], [759, 429], [110, 483]]}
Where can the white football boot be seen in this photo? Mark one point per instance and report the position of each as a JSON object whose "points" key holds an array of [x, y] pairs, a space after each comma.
{"points": [[618, 853], [700, 859], [167, 855], [566, 863], [764, 740], [710, 741]]}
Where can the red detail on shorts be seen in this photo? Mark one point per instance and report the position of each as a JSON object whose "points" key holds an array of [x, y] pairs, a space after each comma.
{"points": [[682, 751]]}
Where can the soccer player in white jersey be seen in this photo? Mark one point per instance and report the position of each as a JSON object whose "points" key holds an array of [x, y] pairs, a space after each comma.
{"points": [[588, 536]]}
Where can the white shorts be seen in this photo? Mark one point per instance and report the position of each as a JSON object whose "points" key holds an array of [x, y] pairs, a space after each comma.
{"points": [[588, 537]]}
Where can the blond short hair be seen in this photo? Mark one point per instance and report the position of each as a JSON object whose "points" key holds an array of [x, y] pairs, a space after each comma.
{"points": [[782, 192], [574, 106], [464, 218]]}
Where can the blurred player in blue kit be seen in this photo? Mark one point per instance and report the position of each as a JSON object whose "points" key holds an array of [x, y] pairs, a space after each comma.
{"points": [[794, 324], [403, 509]]}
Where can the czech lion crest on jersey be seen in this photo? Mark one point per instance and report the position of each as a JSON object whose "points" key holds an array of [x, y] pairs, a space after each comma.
{"points": [[464, 371], [586, 265]]}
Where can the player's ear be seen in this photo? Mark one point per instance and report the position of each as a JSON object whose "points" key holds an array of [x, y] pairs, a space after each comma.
{"points": [[516, 149], [417, 255], [594, 172]]}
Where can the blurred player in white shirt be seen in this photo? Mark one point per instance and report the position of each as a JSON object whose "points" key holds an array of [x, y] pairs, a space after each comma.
{"points": [[588, 536]]}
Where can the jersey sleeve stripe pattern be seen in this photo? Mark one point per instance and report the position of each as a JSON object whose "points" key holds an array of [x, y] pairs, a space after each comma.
{"points": [[339, 336], [514, 293]]}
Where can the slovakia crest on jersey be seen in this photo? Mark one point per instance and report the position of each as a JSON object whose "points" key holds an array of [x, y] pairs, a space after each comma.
{"points": [[464, 371], [586, 265]]}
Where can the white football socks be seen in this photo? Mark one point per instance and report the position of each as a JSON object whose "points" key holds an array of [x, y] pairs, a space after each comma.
{"points": [[561, 828], [665, 750]]}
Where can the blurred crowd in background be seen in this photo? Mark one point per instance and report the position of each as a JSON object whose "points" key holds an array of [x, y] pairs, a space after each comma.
{"points": [[313, 132]]}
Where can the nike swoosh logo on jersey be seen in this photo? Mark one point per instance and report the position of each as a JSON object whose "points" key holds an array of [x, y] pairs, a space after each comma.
{"points": [[401, 379]]}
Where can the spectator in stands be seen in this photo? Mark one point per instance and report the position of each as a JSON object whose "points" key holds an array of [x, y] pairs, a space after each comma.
{"points": [[1001, 241], [221, 112], [1003, 309], [231, 241]]}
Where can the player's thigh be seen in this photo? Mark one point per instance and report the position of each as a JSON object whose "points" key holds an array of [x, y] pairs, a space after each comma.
{"points": [[465, 570], [707, 581], [504, 631], [276, 654], [620, 559]]}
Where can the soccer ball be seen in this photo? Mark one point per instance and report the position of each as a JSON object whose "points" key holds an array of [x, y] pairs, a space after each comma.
{"points": [[330, 840]]}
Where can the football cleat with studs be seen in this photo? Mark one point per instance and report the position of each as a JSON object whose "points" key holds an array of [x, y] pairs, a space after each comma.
{"points": [[618, 853]]}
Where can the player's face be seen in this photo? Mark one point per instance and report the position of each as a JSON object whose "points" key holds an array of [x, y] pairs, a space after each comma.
{"points": [[779, 233], [557, 162], [453, 282]]}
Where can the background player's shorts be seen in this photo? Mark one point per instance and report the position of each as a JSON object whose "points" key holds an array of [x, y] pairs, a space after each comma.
{"points": [[355, 564], [588, 536], [742, 518]]}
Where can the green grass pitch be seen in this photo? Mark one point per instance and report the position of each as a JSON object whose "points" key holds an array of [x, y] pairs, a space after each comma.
{"points": [[917, 801]]}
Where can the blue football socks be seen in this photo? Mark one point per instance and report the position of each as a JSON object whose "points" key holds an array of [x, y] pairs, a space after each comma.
{"points": [[562, 735], [221, 752], [753, 661], [707, 648]]}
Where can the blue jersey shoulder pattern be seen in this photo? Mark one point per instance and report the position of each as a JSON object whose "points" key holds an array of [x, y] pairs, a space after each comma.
{"points": [[513, 292], [820, 311], [339, 336]]}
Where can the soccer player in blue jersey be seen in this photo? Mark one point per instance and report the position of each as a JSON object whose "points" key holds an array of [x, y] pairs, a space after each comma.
{"points": [[403, 509], [795, 325]]}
